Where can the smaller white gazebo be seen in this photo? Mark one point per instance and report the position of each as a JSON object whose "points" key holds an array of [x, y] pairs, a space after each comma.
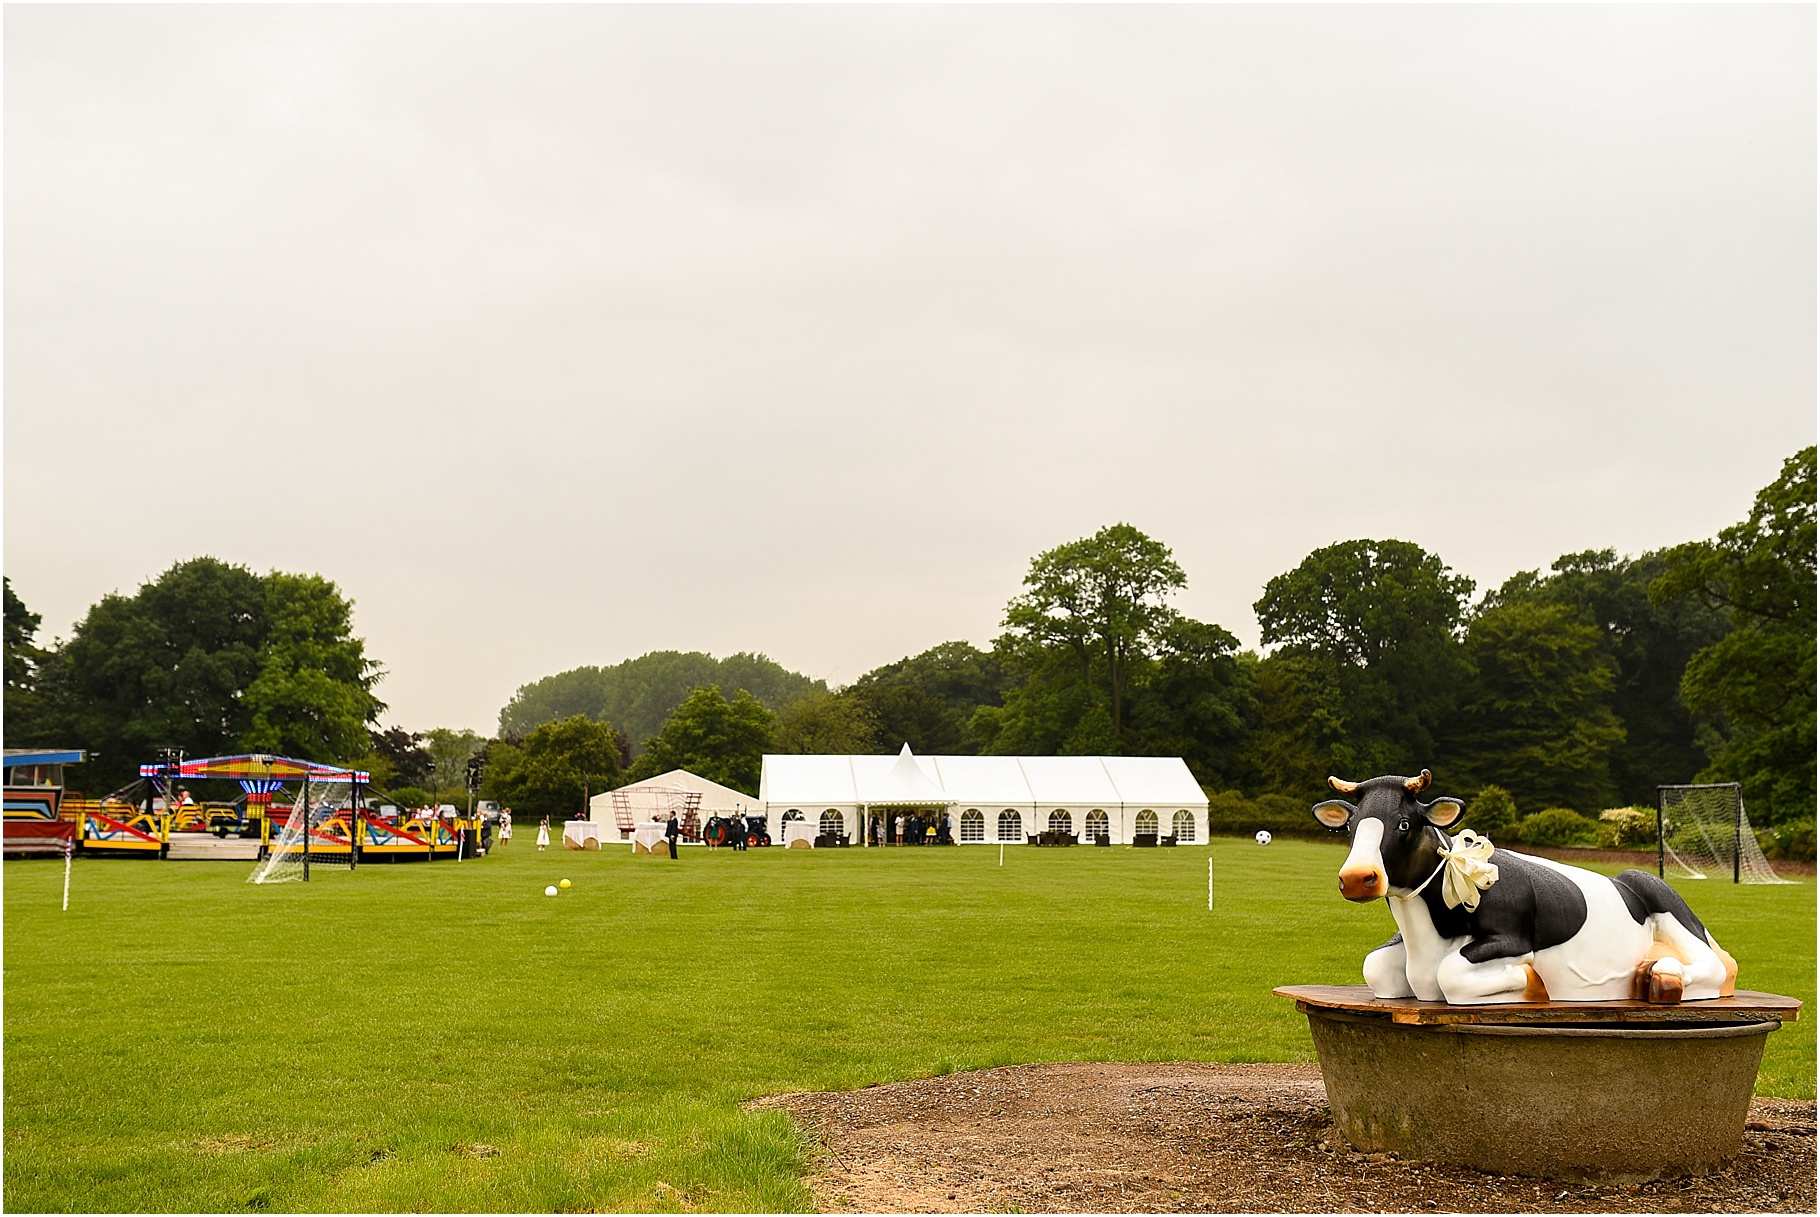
{"points": [[667, 790]]}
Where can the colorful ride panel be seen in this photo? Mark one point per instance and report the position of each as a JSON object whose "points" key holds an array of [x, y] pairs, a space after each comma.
{"points": [[137, 835]]}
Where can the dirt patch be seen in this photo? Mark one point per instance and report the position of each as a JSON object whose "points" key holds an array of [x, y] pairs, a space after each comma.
{"points": [[1191, 1137]]}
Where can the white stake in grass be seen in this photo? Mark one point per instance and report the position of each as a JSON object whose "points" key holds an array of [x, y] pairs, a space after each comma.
{"points": [[1210, 884], [67, 852], [1001, 853]]}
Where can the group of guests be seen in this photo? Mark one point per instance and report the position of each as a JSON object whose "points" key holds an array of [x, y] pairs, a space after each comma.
{"points": [[737, 828], [911, 830]]}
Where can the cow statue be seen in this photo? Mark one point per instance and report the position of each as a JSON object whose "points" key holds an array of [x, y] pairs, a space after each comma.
{"points": [[1476, 924]]}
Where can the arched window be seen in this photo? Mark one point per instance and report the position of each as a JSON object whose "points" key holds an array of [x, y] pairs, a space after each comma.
{"points": [[1146, 821], [792, 814], [1010, 826], [1097, 825], [1061, 821], [973, 825], [832, 822], [1184, 828]]}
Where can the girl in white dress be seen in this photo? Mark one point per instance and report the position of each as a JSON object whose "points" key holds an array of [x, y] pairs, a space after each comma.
{"points": [[505, 826], [543, 833]]}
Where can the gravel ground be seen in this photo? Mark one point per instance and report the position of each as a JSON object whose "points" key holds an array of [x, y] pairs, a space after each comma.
{"points": [[1188, 1137]]}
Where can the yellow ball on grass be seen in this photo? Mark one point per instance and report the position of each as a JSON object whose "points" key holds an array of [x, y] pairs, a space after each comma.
{"points": [[564, 885]]}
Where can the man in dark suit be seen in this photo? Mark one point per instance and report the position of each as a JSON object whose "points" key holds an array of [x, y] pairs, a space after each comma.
{"points": [[671, 832]]}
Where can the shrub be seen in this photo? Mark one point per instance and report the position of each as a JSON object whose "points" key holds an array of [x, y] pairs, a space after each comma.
{"points": [[1276, 809], [1791, 842], [1492, 813], [1230, 813], [410, 797], [1557, 827], [1627, 828]]}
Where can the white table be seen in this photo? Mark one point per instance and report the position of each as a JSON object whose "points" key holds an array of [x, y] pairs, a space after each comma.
{"points": [[581, 834], [648, 838], [799, 834]]}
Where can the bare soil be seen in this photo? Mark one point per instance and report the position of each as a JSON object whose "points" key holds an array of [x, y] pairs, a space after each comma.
{"points": [[1189, 1137]]}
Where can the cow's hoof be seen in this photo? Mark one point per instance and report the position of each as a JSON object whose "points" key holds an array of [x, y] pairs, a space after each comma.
{"points": [[1657, 981], [1665, 986]]}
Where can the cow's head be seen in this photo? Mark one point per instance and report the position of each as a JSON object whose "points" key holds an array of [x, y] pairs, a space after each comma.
{"points": [[1393, 847]]}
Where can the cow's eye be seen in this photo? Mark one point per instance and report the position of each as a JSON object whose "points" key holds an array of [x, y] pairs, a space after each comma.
{"points": [[1402, 825]]}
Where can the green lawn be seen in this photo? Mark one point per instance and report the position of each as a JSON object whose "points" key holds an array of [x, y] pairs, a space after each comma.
{"points": [[447, 1037]]}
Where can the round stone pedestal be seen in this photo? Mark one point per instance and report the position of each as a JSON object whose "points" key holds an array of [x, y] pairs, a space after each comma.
{"points": [[1609, 1091]]}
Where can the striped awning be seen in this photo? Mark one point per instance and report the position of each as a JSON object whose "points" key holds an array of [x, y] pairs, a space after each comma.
{"points": [[255, 767]]}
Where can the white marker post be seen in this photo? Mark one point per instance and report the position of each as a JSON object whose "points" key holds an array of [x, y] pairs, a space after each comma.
{"points": [[1001, 853], [1210, 883], [68, 852]]}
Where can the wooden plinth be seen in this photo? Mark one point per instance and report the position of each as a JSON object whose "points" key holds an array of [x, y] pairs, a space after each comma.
{"points": [[1740, 1007]]}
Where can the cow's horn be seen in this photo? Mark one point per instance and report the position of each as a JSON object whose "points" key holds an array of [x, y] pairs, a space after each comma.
{"points": [[1417, 785], [1343, 787]]}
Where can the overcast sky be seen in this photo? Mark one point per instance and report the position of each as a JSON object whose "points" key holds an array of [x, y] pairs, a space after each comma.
{"points": [[559, 335]]}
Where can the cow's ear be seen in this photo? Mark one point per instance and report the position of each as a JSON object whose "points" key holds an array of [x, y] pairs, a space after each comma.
{"points": [[1334, 813], [1443, 813]]}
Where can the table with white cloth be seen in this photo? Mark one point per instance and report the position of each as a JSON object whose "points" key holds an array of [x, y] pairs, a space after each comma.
{"points": [[649, 838], [581, 834], [799, 834]]}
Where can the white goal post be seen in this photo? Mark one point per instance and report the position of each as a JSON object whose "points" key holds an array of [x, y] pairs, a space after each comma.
{"points": [[1702, 832]]}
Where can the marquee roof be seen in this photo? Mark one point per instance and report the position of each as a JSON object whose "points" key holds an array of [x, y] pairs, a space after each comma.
{"points": [[983, 781], [714, 796]]}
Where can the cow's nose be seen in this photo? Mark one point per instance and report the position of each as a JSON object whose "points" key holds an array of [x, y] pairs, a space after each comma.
{"points": [[1362, 884]]}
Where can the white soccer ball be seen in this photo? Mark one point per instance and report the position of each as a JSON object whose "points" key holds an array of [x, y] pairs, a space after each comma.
{"points": [[1263, 837], [549, 891]]}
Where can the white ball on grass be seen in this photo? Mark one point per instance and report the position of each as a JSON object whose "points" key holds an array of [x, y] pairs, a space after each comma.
{"points": [[550, 891], [1263, 837]]}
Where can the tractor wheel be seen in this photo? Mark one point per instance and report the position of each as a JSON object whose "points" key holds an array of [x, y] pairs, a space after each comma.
{"points": [[751, 839]]}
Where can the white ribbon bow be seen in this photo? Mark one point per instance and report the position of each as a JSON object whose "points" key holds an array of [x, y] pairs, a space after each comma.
{"points": [[1468, 870]]}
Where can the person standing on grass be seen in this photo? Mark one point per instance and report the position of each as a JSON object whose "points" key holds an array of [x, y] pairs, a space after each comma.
{"points": [[897, 829], [671, 832], [543, 833], [505, 825]]}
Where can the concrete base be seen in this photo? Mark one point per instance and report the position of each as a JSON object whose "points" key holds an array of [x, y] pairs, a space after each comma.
{"points": [[1621, 1103]]}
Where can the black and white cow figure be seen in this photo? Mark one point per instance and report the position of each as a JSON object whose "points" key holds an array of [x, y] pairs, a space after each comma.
{"points": [[1540, 931]]}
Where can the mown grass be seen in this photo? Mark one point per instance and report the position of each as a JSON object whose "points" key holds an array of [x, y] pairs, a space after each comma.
{"points": [[446, 1037]]}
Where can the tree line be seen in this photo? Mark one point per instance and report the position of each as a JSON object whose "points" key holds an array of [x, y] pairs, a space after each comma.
{"points": [[1571, 690]]}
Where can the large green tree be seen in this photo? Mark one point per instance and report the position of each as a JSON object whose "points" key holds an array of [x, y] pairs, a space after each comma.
{"points": [[1098, 662], [1196, 701], [1536, 713], [827, 723], [554, 769], [1753, 690], [723, 741], [1099, 605], [450, 749], [1282, 753], [313, 695], [1647, 643], [213, 659], [927, 700], [22, 661], [639, 694], [1376, 625]]}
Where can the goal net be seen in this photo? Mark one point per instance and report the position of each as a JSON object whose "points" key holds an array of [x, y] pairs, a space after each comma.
{"points": [[320, 810], [1706, 835]]}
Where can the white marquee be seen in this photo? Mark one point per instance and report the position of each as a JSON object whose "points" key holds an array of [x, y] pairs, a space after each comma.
{"points": [[990, 798]]}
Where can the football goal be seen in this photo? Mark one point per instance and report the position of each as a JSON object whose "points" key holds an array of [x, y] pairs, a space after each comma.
{"points": [[1703, 833], [312, 835]]}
